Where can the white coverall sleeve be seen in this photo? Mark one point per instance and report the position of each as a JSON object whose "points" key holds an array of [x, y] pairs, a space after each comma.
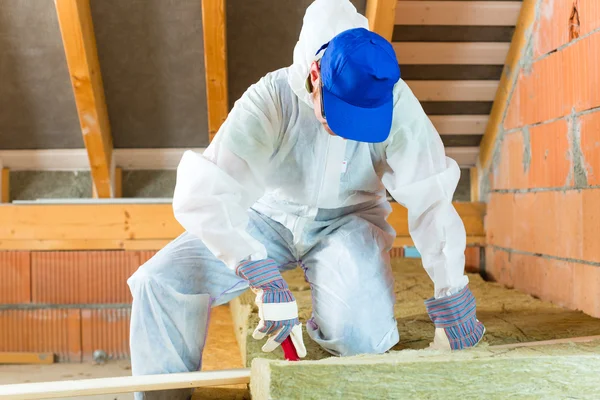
{"points": [[215, 190], [423, 179]]}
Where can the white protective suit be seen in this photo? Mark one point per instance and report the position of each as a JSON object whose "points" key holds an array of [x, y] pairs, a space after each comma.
{"points": [[315, 200]]}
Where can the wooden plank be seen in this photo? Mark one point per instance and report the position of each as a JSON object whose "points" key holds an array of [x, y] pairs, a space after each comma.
{"points": [[134, 226], [88, 221], [474, 177], [508, 81], [124, 384], [79, 41], [480, 53], [459, 124], [464, 156], [464, 13], [4, 185], [380, 14], [215, 62], [26, 358], [402, 241], [454, 90], [118, 182], [471, 214], [83, 244]]}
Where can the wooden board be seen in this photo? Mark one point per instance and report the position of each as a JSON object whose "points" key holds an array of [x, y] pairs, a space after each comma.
{"points": [[215, 61], [454, 90], [4, 185], [471, 214], [134, 226], [75, 21], [126, 384], [508, 81], [464, 13], [474, 174], [26, 358], [380, 14], [459, 124], [468, 53], [465, 156]]}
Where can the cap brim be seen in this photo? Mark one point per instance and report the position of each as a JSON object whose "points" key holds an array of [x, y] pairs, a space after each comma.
{"points": [[370, 125]]}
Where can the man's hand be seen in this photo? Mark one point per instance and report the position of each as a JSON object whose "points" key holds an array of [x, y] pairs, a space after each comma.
{"points": [[277, 308], [456, 325]]}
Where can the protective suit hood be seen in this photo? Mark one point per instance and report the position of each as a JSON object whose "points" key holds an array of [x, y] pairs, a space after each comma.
{"points": [[323, 20]]}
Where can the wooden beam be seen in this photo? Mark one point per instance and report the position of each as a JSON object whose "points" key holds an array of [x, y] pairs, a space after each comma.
{"points": [[215, 63], [26, 358], [468, 53], [471, 214], [4, 185], [464, 156], [454, 90], [118, 182], [380, 14], [135, 226], [459, 124], [123, 384], [75, 21], [512, 67], [474, 184], [465, 13]]}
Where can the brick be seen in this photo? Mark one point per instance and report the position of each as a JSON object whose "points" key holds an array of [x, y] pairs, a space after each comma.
{"points": [[82, 277], [15, 277], [397, 252], [550, 163], [498, 266], [557, 84], [105, 329], [552, 28], [590, 146], [591, 225], [558, 281], [499, 225], [510, 171], [549, 223], [40, 330], [586, 284], [56, 277], [106, 276], [472, 259], [145, 255]]}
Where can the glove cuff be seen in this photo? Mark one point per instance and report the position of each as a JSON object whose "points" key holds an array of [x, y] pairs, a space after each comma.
{"points": [[456, 314], [258, 273]]}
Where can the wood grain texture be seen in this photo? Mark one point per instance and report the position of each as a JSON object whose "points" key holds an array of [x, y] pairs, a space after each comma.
{"points": [[215, 61], [480, 53], [380, 14], [26, 358], [465, 13], [454, 90], [4, 185], [474, 184], [134, 226], [75, 20], [460, 124], [509, 76]]}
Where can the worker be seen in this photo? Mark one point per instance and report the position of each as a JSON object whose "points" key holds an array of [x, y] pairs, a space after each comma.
{"points": [[297, 176]]}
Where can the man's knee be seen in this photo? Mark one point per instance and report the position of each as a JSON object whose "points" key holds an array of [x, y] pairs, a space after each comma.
{"points": [[356, 337]]}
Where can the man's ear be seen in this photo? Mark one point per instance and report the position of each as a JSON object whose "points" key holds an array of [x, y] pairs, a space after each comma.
{"points": [[315, 73]]}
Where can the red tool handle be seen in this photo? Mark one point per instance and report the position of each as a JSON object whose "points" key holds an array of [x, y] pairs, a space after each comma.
{"points": [[289, 350]]}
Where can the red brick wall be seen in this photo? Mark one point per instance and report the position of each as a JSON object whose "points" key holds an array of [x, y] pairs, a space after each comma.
{"points": [[70, 303], [543, 219]]}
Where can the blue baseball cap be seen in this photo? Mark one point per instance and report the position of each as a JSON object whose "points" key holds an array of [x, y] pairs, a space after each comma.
{"points": [[359, 70]]}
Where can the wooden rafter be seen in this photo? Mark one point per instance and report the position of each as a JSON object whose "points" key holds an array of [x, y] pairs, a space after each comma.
{"points": [[215, 61], [79, 41], [381, 15], [4, 185]]}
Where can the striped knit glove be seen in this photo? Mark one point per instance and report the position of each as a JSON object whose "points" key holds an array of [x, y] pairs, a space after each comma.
{"points": [[456, 326], [277, 308]]}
